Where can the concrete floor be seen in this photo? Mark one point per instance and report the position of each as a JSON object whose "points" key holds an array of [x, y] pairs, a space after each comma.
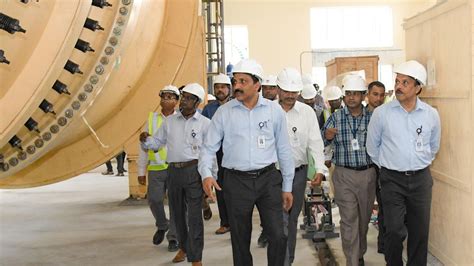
{"points": [[81, 222]]}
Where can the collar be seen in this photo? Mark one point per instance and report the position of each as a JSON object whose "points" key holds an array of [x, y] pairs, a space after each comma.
{"points": [[347, 112], [261, 101], [297, 107], [419, 104], [195, 116], [162, 115]]}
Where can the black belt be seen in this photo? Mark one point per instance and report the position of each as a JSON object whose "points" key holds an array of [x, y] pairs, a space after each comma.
{"points": [[254, 173], [183, 164], [360, 168], [301, 167], [407, 173]]}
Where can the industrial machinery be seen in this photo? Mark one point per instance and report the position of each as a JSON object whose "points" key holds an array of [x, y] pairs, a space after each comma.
{"points": [[78, 78], [317, 223]]}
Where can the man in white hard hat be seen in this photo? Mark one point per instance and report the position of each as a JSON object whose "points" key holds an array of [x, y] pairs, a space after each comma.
{"points": [[354, 174], [253, 134], [403, 139], [222, 89], [309, 95], [375, 95], [303, 131], [185, 187], [333, 95], [318, 104], [155, 164], [211, 98], [269, 88]]}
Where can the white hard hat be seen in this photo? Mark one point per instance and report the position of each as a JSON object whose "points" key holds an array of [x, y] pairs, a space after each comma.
{"points": [[249, 66], [307, 79], [353, 83], [211, 97], [171, 89], [308, 92], [195, 89], [221, 79], [413, 69], [332, 93], [289, 79], [270, 80]]}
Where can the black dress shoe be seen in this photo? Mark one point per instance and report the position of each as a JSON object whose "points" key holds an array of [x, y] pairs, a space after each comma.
{"points": [[361, 262], [262, 241], [173, 246], [159, 236], [207, 214]]}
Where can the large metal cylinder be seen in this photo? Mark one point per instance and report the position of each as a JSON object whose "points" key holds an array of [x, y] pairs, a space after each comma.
{"points": [[126, 52]]}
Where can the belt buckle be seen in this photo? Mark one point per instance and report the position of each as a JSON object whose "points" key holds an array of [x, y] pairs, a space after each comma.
{"points": [[409, 173]]}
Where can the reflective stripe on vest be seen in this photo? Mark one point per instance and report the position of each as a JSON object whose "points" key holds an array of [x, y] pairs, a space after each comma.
{"points": [[326, 115], [162, 151]]}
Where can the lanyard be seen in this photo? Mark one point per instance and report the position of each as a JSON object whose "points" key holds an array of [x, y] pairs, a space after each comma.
{"points": [[354, 132]]}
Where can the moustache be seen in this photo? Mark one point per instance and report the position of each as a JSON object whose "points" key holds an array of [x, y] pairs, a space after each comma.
{"points": [[238, 91]]}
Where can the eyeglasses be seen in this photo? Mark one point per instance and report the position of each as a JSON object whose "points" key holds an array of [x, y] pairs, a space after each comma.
{"points": [[168, 97]]}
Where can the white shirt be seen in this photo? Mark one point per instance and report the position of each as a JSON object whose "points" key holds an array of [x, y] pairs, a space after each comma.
{"points": [[251, 139], [305, 137], [183, 137]]}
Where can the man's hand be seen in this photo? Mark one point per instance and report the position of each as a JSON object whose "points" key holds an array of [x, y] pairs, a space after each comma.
{"points": [[330, 133], [327, 163], [287, 200], [207, 184], [143, 136], [142, 180], [318, 178]]}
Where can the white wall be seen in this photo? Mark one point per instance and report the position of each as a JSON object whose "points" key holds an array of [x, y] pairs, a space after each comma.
{"points": [[280, 30]]}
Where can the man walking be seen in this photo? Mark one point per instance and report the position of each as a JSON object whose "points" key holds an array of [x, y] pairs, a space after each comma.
{"points": [[155, 165], [305, 140], [252, 141], [403, 139], [183, 134], [354, 174], [222, 90]]}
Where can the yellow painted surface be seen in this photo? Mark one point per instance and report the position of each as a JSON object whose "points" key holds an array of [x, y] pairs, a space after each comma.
{"points": [[154, 43]]}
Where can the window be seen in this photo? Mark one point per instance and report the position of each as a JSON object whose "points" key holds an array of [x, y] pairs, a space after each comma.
{"points": [[351, 27], [236, 43]]}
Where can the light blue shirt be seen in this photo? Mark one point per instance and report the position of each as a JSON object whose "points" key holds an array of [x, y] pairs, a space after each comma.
{"points": [[392, 136], [251, 139], [183, 137]]}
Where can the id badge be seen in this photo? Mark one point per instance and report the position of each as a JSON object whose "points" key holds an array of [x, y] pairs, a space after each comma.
{"points": [[419, 144], [261, 142], [294, 141], [355, 145]]}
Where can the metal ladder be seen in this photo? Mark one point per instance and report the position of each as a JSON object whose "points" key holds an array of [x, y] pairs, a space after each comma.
{"points": [[213, 11]]}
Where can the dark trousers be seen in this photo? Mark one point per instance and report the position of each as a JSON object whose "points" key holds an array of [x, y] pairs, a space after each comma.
{"points": [[291, 219], [120, 162], [221, 199], [156, 190], [185, 197], [380, 222], [408, 195], [242, 193]]}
